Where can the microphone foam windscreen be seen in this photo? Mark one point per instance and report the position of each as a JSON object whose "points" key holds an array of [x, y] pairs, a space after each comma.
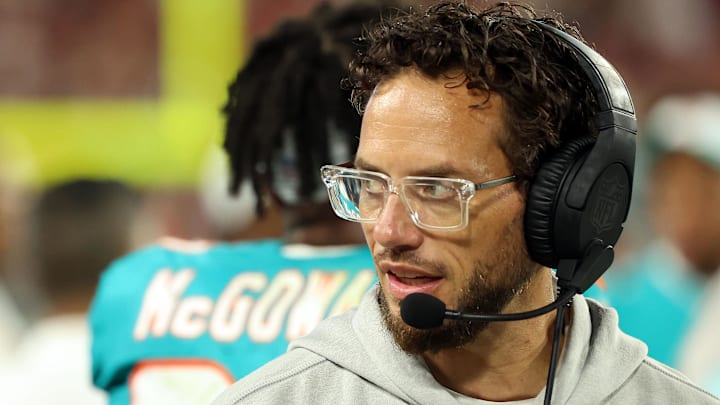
{"points": [[422, 311]]}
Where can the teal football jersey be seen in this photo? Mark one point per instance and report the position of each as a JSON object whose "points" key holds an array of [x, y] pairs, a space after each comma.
{"points": [[178, 322]]}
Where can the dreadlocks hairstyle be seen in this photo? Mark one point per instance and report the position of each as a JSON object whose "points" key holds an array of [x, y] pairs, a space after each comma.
{"points": [[286, 114], [497, 50]]}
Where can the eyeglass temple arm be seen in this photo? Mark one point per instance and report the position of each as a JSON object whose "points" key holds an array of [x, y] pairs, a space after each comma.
{"points": [[496, 182]]}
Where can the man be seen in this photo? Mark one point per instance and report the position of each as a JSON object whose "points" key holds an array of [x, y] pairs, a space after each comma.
{"points": [[180, 321], [675, 279], [462, 109], [76, 229]]}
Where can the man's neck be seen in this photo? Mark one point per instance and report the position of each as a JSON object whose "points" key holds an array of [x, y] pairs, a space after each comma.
{"points": [[509, 360]]}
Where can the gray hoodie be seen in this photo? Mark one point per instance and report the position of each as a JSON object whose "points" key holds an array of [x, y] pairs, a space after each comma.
{"points": [[352, 359]]}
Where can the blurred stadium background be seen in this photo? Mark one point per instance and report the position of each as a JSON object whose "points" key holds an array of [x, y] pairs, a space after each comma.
{"points": [[131, 90]]}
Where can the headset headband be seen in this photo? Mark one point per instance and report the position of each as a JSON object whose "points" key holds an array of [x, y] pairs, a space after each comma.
{"points": [[615, 119]]}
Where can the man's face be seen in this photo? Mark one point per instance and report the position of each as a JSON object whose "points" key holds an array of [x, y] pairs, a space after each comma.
{"points": [[417, 126]]}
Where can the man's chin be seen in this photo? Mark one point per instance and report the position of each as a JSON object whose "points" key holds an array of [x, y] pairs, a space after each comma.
{"points": [[418, 341]]}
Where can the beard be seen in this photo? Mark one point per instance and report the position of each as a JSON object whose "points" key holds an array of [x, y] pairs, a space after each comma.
{"points": [[493, 283]]}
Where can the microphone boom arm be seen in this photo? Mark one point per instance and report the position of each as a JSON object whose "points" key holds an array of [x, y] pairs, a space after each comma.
{"points": [[564, 298]]}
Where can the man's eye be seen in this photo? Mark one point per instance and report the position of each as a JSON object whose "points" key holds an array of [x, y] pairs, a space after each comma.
{"points": [[435, 191], [373, 187]]}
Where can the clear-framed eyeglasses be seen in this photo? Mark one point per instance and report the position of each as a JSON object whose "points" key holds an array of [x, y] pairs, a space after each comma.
{"points": [[434, 203]]}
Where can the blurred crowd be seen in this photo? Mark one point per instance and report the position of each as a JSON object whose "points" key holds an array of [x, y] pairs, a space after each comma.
{"points": [[57, 236]]}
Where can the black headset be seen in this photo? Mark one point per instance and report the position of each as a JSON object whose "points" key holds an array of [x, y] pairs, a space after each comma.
{"points": [[580, 196]]}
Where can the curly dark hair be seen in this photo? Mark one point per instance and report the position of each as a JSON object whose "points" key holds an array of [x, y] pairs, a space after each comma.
{"points": [[287, 101], [548, 99]]}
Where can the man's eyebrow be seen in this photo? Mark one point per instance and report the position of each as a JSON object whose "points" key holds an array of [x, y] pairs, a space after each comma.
{"points": [[440, 170]]}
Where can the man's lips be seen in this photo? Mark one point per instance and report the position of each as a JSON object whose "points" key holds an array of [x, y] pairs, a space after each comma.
{"points": [[413, 281], [403, 280]]}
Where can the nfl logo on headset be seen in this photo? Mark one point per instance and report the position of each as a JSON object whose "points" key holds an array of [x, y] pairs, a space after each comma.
{"points": [[606, 211]]}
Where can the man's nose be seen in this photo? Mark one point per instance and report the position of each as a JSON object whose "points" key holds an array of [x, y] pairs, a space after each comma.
{"points": [[394, 227]]}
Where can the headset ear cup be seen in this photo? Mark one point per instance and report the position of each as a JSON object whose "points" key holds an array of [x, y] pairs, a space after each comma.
{"points": [[542, 199]]}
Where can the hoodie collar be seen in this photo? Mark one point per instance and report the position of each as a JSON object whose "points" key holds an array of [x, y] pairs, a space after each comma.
{"points": [[596, 352]]}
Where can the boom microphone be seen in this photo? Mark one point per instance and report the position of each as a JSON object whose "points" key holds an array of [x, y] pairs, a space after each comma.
{"points": [[423, 311]]}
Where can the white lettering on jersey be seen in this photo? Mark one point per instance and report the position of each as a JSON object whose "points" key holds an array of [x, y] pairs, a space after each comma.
{"points": [[310, 309], [231, 312], [160, 301], [285, 300], [190, 320], [268, 317]]}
